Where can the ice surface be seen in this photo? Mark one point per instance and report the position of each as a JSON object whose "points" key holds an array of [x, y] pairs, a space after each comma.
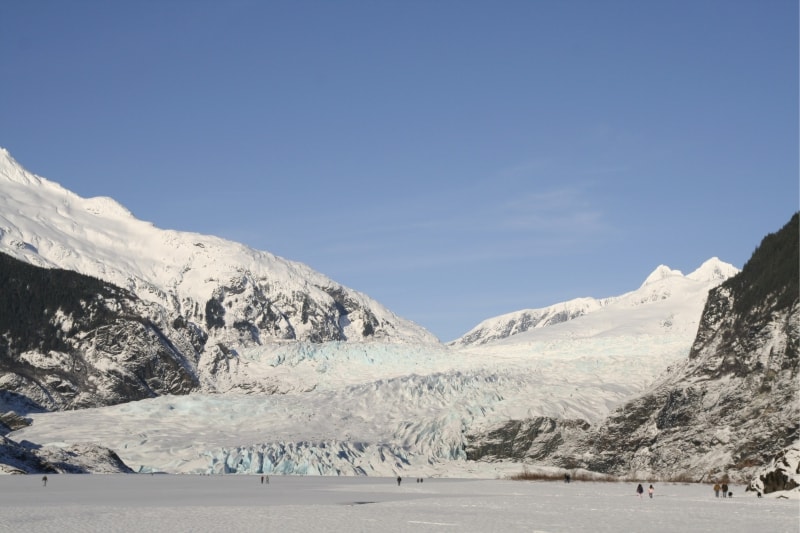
{"points": [[355, 409], [290, 504]]}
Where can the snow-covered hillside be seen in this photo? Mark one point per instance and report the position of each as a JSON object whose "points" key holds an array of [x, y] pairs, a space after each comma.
{"points": [[242, 296], [684, 293]]}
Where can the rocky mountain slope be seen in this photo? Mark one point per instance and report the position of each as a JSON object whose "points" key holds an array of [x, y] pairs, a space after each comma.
{"points": [[28, 458], [726, 410], [102, 308], [70, 341]]}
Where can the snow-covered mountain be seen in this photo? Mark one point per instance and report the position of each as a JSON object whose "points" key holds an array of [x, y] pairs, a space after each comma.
{"points": [[724, 411], [70, 341], [663, 283], [239, 296], [733, 404], [173, 313]]}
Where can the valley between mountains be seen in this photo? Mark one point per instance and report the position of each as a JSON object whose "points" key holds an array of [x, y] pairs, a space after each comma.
{"points": [[186, 353]]}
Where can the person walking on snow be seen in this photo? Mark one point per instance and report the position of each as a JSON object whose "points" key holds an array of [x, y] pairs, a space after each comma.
{"points": [[44, 481], [650, 491], [640, 490], [716, 490]]}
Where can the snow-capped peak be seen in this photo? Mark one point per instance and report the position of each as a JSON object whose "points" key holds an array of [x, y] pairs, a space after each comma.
{"points": [[12, 171], [713, 270], [661, 272], [672, 300]]}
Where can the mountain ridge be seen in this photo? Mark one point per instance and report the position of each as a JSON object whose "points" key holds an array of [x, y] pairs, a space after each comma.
{"points": [[659, 285], [272, 298]]}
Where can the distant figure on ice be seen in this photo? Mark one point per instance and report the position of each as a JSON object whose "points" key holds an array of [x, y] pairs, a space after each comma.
{"points": [[566, 478], [262, 480], [724, 490], [44, 481], [650, 491], [640, 490], [266, 478], [716, 490], [399, 479]]}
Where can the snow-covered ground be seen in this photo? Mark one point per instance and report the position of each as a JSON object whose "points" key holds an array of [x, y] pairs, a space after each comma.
{"points": [[177, 503]]}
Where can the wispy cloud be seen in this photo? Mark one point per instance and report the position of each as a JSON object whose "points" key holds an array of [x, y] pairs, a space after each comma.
{"points": [[569, 210]]}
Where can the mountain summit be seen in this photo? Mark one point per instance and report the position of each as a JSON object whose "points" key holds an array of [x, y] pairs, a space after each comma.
{"points": [[235, 294]]}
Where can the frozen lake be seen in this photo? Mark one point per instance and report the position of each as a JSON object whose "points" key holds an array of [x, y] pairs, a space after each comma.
{"points": [[231, 503]]}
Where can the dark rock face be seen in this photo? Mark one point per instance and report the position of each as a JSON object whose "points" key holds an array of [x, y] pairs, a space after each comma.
{"points": [[27, 458], [18, 459], [732, 405], [83, 459], [777, 480], [69, 341], [781, 474], [530, 439], [248, 311]]}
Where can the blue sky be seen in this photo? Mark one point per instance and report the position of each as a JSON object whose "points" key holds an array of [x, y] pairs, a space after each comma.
{"points": [[455, 160]]}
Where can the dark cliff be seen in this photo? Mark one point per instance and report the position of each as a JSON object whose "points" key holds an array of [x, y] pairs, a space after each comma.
{"points": [[71, 341]]}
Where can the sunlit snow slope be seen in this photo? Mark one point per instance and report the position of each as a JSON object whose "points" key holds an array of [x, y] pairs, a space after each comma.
{"points": [[46, 225]]}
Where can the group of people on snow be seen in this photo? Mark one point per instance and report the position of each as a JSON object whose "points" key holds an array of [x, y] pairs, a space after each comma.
{"points": [[723, 488], [640, 490]]}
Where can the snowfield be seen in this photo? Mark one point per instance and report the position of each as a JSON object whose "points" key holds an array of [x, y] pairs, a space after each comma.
{"points": [[175, 503]]}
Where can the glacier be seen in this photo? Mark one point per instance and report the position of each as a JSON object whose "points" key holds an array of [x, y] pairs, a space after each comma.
{"points": [[370, 408]]}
